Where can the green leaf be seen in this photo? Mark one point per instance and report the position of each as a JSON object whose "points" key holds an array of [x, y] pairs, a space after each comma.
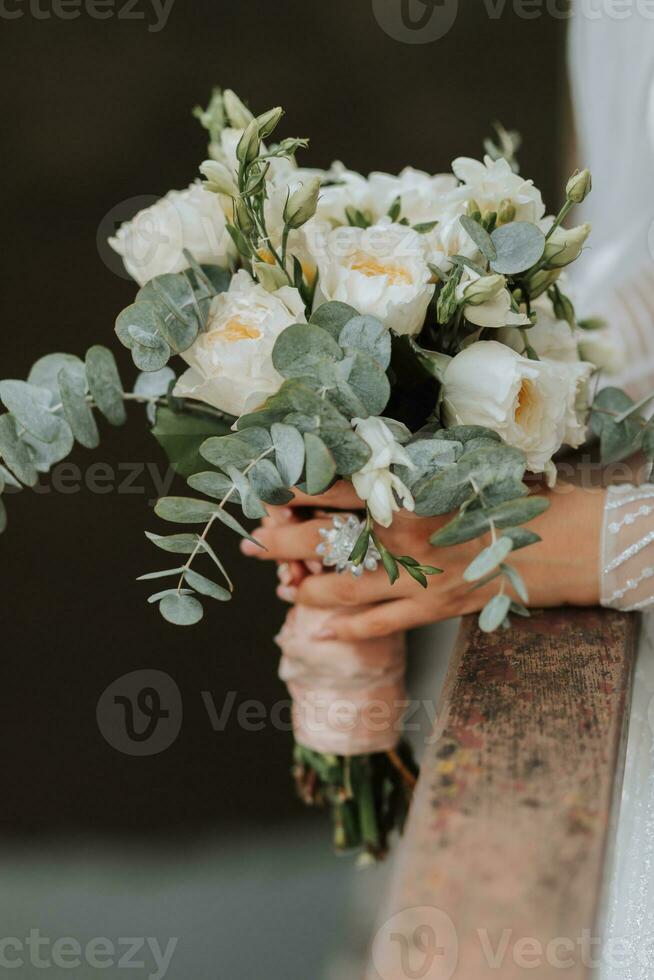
{"points": [[320, 464], [368, 335], [181, 610], [488, 559], [164, 573], [251, 506], [428, 457], [452, 486], [229, 521], [181, 434], [77, 410], [360, 548], [521, 537], [206, 587], [618, 440], [471, 523], [389, 563], [30, 406], [151, 356], [417, 574], [333, 316], [369, 383], [177, 305], [301, 348], [289, 452], [516, 581], [480, 237], [46, 454], [494, 613], [268, 484], [215, 485], [8, 479], [177, 544], [15, 452], [45, 372], [105, 384], [236, 449], [142, 317], [519, 245], [154, 384], [158, 596], [185, 510]]}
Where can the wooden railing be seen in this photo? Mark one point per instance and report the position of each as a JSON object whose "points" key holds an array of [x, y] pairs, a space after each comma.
{"points": [[501, 868]]}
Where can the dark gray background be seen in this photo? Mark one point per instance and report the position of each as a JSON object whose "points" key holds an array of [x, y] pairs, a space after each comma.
{"points": [[95, 112]]}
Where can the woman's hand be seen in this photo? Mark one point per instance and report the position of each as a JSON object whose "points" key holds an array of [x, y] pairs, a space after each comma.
{"points": [[561, 569]]}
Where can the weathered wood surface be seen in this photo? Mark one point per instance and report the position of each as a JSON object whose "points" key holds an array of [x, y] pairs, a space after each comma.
{"points": [[500, 870]]}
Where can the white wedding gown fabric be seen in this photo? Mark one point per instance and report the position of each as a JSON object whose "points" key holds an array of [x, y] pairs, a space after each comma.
{"points": [[612, 77]]}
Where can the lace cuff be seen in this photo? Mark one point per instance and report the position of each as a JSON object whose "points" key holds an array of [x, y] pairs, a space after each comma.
{"points": [[627, 571]]}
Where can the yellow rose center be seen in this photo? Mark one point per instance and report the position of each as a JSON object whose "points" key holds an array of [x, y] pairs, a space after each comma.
{"points": [[369, 266], [527, 400], [235, 329]]}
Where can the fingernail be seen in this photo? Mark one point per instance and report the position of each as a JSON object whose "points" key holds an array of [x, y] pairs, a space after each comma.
{"points": [[315, 567], [248, 548], [287, 592], [326, 633], [284, 574]]}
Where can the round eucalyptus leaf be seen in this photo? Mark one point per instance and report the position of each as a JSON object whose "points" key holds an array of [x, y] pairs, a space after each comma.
{"points": [[153, 356], [46, 454], [177, 306], [289, 452], [518, 245], [177, 544], [494, 613], [105, 384], [45, 371], [141, 315], [15, 452], [154, 384], [268, 484], [205, 586], [30, 407], [370, 383], [78, 412], [333, 316], [181, 610], [299, 350], [368, 335], [320, 464]]}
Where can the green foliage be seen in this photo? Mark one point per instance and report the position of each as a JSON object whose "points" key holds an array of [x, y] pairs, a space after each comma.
{"points": [[621, 427], [518, 245]]}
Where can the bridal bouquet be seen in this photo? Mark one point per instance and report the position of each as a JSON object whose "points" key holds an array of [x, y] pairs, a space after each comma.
{"points": [[411, 334]]}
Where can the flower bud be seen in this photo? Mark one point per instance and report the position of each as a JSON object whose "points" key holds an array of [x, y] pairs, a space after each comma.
{"points": [[579, 186], [219, 179], [506, 211], [540, 281], [238, 114], [563, 308], [302, 203], [243, 218], [271, 277], [473, 209], [248, 145], [484, 289], [267, 121], [564, 246]]}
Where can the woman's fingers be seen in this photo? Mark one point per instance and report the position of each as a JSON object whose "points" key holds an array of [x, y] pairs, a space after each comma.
{"points": [[344, 590], [381, 620], [341, 496], [291, 542]]}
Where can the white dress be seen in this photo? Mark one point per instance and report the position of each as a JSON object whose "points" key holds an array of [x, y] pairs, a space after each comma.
{"points": [[612, 76]]}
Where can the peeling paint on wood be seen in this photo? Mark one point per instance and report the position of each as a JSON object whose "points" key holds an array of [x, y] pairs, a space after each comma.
{"points": [[510, 825]]}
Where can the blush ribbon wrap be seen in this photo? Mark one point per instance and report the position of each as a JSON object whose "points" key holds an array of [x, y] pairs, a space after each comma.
{"points": [[349, 697]]}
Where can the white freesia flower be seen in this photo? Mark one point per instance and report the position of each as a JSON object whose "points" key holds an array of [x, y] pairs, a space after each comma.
{"points": [[380, 270], [423, 197], [487, 301], [231, 361], [526, 402], [376, 483], [152, 243], [492, 183]]}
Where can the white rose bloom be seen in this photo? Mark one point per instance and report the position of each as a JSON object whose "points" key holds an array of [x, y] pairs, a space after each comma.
{"points": [[423, 197], [577, 402], [492, 182], [380, 270], [375, 483], [152, 243], [526, 402], [550, 338], [487, 301], [342, 188], [601, 349], [231, 361]]}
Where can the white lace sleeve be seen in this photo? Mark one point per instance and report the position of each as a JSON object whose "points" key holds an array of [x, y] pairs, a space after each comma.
{"points": [[627, 574]]}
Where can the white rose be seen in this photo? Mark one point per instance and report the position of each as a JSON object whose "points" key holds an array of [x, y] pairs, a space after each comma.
{"points": [[549, 337], [231, 361], [487, 301], [601, 349], [153, 242], [423, 197], [380, 270], [577, 401], [375, 483], [525, 402], [492, 182]]}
